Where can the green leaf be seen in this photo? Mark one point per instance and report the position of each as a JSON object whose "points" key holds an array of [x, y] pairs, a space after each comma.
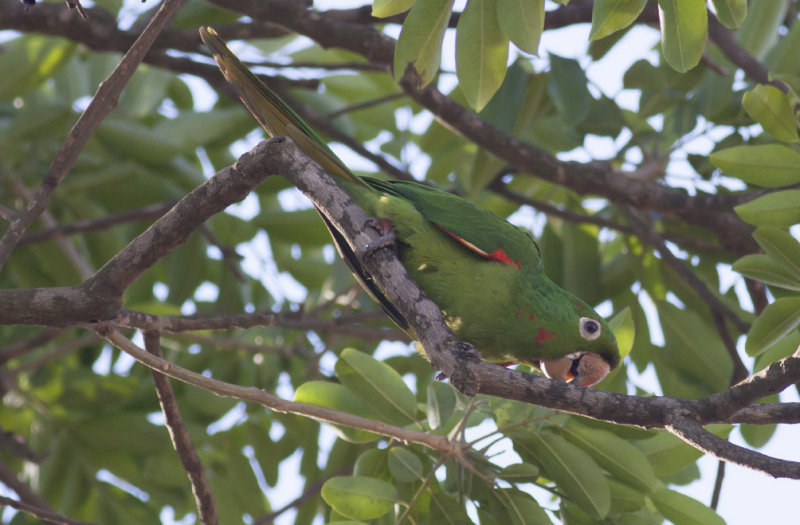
{"points": [[378, 384], [405, 466], [624, 330], [609, 16], [616, 455], [762, 26], [522, 21], [29, 61], [780, 245], [781, 208], [777, 320], [625, 498], [694, 347], [764, 268], [567, 88], [384, 8], [520, 473], [771, 107], [420, 41], [731, 13], [768, 165], [359, 497], [481, 52], [669, 454], [574, 471], [441, 403], [684, 29], [522, 509], [679, 508], [337, 397], [137, 141]]}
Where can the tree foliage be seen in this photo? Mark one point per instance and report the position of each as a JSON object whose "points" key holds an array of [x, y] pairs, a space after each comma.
{"points": [[115, 244]]}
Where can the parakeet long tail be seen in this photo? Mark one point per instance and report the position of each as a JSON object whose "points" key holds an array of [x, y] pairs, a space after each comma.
{"points": [[274, 115]]}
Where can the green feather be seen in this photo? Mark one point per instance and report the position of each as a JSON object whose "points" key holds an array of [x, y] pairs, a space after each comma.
{"points": [[483, 272]]}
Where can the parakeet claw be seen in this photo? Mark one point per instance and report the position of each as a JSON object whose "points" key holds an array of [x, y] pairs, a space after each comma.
{"points": [[388, 238], [467, 351], [464, 351]]}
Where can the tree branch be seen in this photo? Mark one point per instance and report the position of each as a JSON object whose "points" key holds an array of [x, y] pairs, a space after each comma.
{"points": [[181, 440]]}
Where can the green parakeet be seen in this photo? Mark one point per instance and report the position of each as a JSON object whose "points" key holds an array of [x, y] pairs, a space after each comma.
{"points": [[484, 273]]}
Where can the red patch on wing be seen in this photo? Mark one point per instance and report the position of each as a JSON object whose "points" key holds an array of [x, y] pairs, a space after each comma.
{"points": [[543, 336], [517, 314], [580, 304], [497, 255], [531, 317], [500, 256]]}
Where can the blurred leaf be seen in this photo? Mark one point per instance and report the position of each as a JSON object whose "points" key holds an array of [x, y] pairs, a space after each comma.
{"points": [[405, 466], [625, 498], [384, 8], [359, 497], [29, 61], [782, 59], [771, 108], [378, 384], [520, 473], [696, 348], [568, 89], [441, 403], [781, 208], [337, 397], [761, 27], [684, 29], [574, 471], [616, 455], [609, 16], [682, 509], [625, 331], [481, 52], [420, 41], [522, 508], [777, 320], [767, 165], [731, 13], [522, 21]]}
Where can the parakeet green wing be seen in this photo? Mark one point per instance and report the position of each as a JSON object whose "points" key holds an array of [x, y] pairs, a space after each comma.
{"points": [[484, 273]]}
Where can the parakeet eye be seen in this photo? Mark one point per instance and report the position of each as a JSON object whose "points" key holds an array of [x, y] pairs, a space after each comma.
{"points": [[589, 328]]}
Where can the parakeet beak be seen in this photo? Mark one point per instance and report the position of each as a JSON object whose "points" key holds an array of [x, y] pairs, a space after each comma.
{"points": [[582, 369]]}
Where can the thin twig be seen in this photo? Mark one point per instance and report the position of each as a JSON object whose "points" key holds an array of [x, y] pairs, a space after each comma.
{"points": [[101, 105], [19, 348], [261, 397], [181, 440], [44, 514], [150, 212]]}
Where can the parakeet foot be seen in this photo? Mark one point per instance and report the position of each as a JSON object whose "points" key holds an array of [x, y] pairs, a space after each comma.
{"points": [[464, 351], [388, 238], [467, 351]]}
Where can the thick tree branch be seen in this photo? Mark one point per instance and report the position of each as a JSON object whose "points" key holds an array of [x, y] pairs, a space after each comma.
{"points": [[701, 439]]}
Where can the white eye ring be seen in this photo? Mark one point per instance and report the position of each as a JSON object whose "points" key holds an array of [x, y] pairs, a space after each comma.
{"points": [[590, 329]]}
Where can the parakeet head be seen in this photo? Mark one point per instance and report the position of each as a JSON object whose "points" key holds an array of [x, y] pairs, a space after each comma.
{"points": [[576, 344]]}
